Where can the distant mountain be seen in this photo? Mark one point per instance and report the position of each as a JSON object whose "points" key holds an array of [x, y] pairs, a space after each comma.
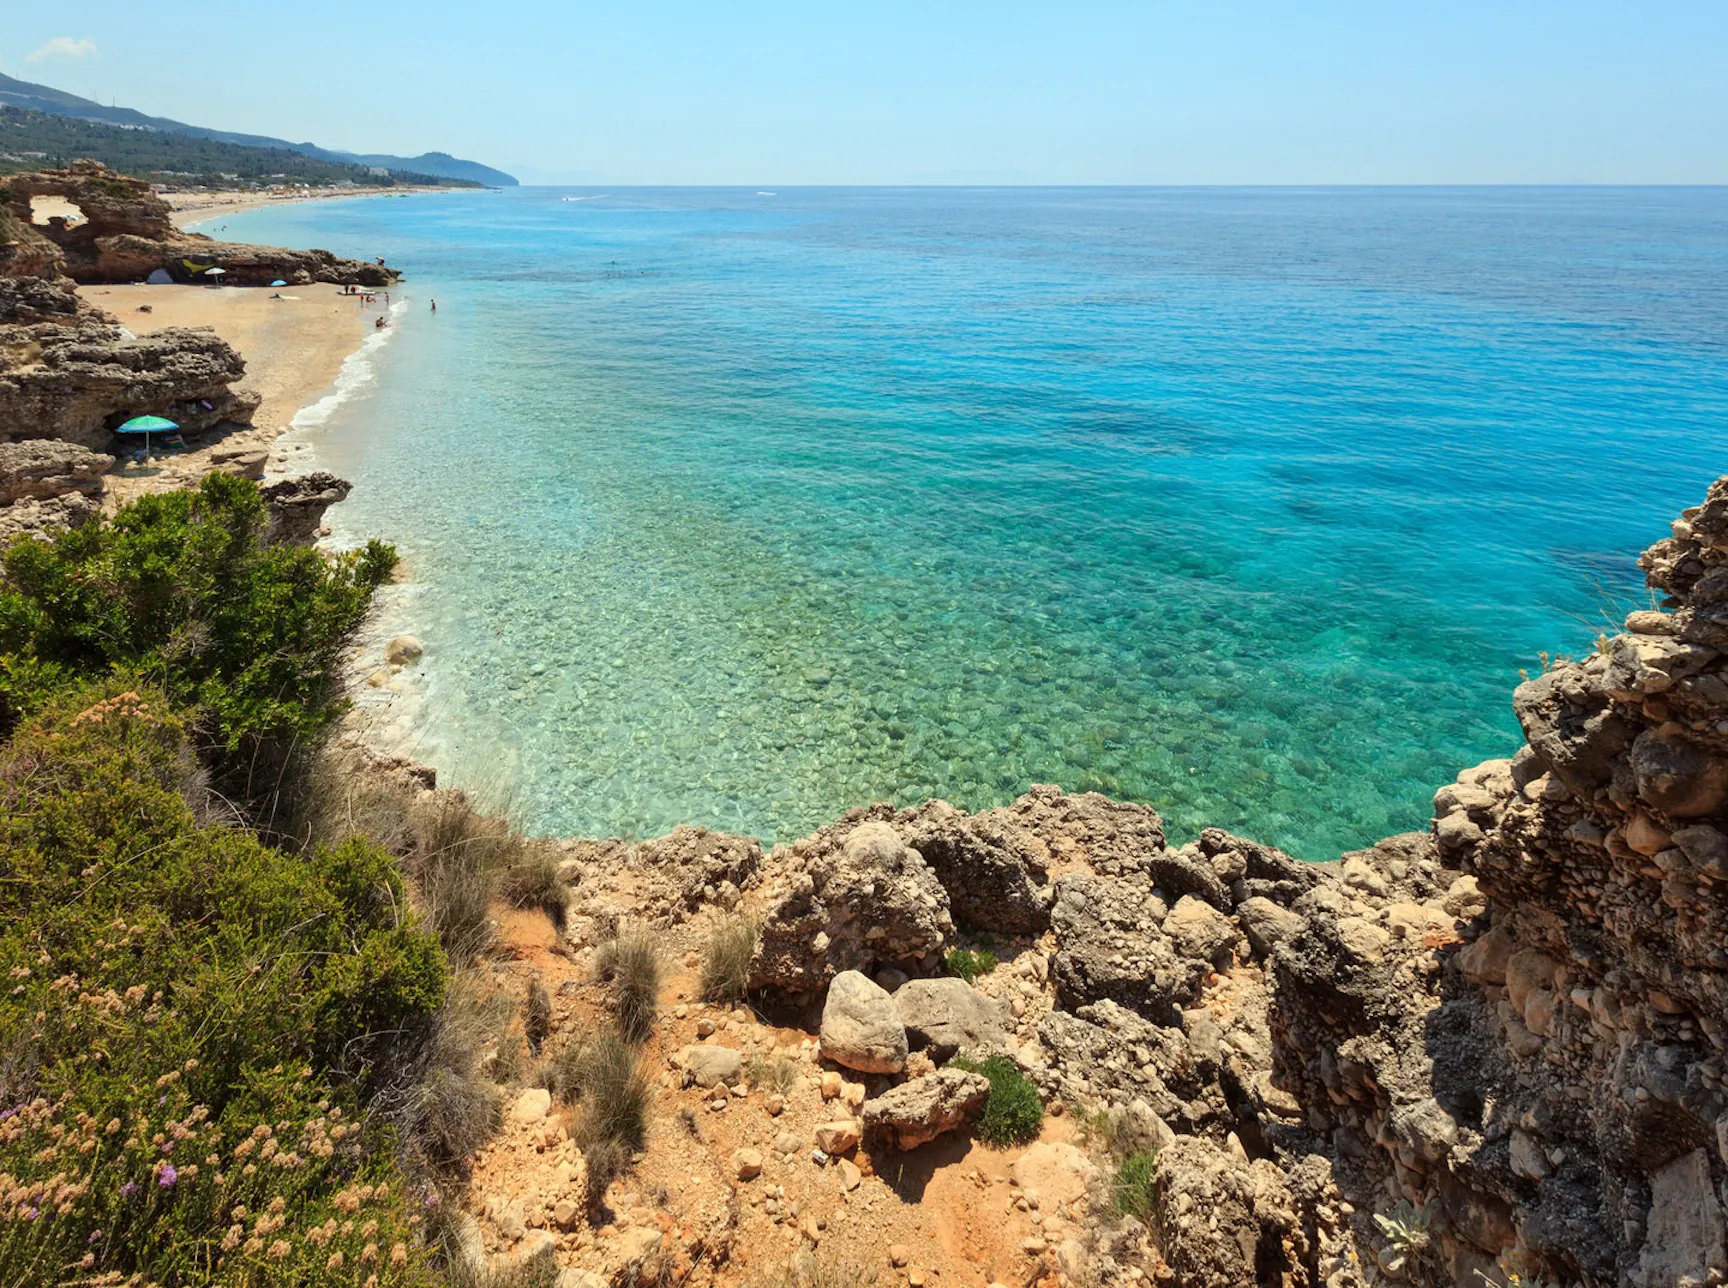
{"points": [[44, 98]]}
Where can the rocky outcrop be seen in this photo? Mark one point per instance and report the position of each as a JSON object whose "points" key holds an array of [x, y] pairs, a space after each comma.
{"points": [[80, 382], [46, 486], [922, 1109], [70, 374], [41, 469], [1551, 1091], [127, 233], [297, 505], [853, 897]]}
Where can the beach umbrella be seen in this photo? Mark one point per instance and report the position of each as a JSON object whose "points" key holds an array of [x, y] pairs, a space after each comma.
{"points": [[278, 282], [147, 425], [215, 272]]}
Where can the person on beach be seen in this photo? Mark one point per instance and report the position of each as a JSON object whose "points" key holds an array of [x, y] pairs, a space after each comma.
{"points": [[434, 306], [379, 324]]}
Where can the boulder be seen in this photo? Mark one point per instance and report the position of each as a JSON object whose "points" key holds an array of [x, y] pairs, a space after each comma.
{"points": [[861, 1028], [1200, 932], [710, 1066], [1056, 1170], [838, 1137], [856, 898], [917, 1111], [297, 508], [947, 1016], [1266, 924], [1222, 1222]]}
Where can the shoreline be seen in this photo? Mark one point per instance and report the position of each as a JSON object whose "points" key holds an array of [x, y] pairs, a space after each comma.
{"points": [[303, 347], [193, 208]]}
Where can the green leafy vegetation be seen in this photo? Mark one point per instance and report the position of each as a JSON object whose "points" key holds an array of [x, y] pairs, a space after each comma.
{"points": [[1131, 1192], [182, 590], [725, 973], [222, 1060], [969, 963], [176, 158], [195, 1022], [1013, 1115]]}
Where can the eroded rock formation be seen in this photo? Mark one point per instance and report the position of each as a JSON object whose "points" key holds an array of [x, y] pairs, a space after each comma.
{"points": [[127, 233]]}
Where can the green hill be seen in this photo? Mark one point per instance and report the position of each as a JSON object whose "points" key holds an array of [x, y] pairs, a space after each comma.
{"points": [[53, 102], [36, 140]]}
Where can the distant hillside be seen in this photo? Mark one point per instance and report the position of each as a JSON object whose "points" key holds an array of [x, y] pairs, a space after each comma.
{"points": [[31, 140], [46, 99]]}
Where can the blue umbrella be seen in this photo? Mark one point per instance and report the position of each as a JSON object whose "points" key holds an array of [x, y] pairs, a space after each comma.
{"points": [[147, 425]]}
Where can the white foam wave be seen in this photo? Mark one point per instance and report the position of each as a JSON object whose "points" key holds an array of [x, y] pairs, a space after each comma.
{"points": [[357, 372]]}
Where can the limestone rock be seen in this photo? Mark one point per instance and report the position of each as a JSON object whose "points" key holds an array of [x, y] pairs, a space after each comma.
{"points": [[858, 899], [1199, 931], [297, 507], [1685, 1240], [531, 1106], [711, 1066], [861, 1028], [1057, 1171], [920, 1110], [947, 1015], [39, 469], [838, 1137]]}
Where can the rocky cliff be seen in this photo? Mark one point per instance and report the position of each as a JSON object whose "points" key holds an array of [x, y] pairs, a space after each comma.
{"points": [[1494, 1049], [127, 233]]}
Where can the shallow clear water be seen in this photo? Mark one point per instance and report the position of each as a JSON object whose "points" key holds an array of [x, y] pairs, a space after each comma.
{"points": [[743, 509]]}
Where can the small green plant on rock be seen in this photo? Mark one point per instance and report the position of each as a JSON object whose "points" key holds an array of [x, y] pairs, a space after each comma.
{"points": [[726, 960], [1013, 1115], [1131, 1193], [1408, 1238], [969, 963]]}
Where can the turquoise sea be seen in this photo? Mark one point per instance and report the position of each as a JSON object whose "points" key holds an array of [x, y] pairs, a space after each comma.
{"points": [[741, 508]]}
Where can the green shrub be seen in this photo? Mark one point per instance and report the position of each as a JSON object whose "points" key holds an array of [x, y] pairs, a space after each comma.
{"points": [[1013, 1115], [195, 1024], [771, 1073], [1131, 1192], [726, 960], [182, 590], [969, 964], [630, 966]]}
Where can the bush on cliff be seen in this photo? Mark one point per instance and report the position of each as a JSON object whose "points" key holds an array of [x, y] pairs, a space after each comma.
{"points": [[183, 590], [1013, 1114], [194, 1026]]}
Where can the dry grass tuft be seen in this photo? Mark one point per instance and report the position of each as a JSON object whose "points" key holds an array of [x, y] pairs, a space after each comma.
{"points": [[537, 1016], [726, 960], [630, 966], [603, 1076], [531, 881], [454, 1108]]}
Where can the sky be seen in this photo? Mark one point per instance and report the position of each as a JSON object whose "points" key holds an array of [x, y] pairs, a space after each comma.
{"points": [[938, 91]]}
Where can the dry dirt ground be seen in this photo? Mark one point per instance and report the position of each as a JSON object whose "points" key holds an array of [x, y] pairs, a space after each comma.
{"points": [[951, 1213]]}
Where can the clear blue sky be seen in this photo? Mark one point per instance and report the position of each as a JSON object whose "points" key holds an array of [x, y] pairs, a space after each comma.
{"points": [[1077, 91]]}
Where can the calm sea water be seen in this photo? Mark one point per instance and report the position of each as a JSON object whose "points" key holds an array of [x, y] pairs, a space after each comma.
{"points": [[742, 508]]}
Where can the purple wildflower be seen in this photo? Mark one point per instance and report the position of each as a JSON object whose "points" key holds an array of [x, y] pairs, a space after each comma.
{"points": [[29, 1214], [168, 1177], [129, 1189]]}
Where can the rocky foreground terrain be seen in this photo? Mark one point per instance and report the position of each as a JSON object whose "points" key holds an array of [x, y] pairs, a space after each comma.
{"points": [[70, 373], [1493, 1049]]}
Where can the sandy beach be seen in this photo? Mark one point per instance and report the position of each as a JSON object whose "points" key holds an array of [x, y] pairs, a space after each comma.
{"points": [[294, 348], [195, 207]]}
